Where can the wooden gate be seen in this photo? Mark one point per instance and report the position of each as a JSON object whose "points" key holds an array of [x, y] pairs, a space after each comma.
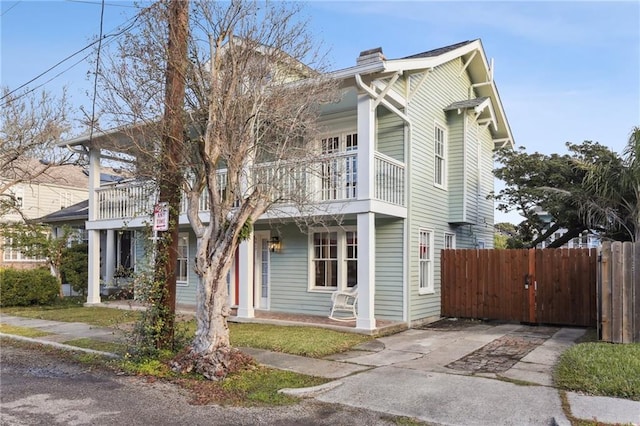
{"points": [[550, 286]]}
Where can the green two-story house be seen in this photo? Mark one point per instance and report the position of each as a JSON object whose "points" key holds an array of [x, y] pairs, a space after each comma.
{"points": [[406, 170]]}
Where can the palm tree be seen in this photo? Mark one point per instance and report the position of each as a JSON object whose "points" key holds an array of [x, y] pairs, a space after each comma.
{"points": [[614, 188]]}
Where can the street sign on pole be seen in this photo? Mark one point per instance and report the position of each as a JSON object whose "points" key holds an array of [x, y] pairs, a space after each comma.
{"points": [[161, 217]]}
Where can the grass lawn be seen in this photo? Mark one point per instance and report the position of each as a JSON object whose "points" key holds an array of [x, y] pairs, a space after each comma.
{"points": [[97, 345], [73, 312], [22, 331], [297, 340], [598, 368]]}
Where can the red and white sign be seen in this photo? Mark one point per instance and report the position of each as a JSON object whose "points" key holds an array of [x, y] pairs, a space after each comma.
{"points": [[161, 217]]}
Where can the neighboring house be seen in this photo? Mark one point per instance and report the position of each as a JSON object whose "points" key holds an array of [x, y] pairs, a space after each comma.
{"points": [[56, 188], [586, 239], [413, 139], [117, 248]]}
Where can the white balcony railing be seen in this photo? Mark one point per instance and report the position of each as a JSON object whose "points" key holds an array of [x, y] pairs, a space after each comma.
{"points": [[389, 184], [332, 178]]}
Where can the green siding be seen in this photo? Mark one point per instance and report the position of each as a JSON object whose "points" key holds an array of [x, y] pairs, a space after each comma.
{"points": [[431, 207], [389, 257], [390, 135], [290, 277], [456, 166]]}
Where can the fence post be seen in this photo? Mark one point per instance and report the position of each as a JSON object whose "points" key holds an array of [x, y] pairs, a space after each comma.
{"points": [[604, 293], [532, 286]]}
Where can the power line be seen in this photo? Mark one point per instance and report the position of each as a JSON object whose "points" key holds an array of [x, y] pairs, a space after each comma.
{"points": [[11, 7], [95, 80], [106, 4], [116, 34]]}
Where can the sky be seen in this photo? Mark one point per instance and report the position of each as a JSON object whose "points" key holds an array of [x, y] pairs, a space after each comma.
{"points": [[566, 71]]}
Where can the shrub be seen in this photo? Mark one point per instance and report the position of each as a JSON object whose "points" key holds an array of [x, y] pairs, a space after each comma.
{"points": [[27, 287], [74, 268]]}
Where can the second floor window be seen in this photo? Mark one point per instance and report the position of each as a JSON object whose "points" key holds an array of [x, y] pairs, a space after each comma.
{"points": [[340, 168], [440, 159], [182, 268]]}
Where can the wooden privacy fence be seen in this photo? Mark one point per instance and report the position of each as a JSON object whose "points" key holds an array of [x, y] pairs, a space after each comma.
{"points": [[619, 293], [551, 286]]}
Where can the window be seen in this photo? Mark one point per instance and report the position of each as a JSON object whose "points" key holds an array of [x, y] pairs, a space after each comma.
{"points": [[15, 255], [352, 259], [340, 169], [65, 200], [449, 240], [182, 268], [334, 259], [425, 255], [440, 147]]}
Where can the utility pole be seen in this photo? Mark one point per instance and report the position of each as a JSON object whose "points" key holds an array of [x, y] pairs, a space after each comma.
{"points": [[170, 168]]}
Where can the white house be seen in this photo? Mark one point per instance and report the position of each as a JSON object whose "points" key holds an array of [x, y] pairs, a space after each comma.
{"points": [[413, 139], [53, 189]]}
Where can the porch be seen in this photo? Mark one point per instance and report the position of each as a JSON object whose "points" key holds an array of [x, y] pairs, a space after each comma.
{"points": [[332, 178], [383, 327]]}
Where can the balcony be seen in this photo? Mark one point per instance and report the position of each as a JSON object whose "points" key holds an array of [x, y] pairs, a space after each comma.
{"points": [[329, 179]]}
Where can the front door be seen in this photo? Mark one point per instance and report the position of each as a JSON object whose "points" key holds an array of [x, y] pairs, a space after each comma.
{"points": [[262, 269]]}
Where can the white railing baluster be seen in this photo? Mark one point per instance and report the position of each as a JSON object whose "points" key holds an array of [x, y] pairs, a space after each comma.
{"points": [[333, 177]]}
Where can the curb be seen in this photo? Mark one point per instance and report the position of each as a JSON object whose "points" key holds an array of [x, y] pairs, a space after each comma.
{"points": [[311, 391], [59, 345]]}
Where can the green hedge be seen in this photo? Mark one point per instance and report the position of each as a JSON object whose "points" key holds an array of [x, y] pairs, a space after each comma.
{"points": [[27, 287]]}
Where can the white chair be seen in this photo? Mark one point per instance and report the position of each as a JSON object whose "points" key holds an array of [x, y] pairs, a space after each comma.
{"points": [[345, 302]]}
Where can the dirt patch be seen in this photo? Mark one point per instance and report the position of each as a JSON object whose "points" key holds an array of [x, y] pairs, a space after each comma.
{"points": [[454, 324], [501, 354]]}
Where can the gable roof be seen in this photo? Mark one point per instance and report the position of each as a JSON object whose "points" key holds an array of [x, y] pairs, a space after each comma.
{"points": [[56, 175], [438, 51], [475, 64], [373, 63]]}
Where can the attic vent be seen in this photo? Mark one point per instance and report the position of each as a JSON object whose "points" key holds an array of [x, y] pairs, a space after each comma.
{"points": [[370, 56]]}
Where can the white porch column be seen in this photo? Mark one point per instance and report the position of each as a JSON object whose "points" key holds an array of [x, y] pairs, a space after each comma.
{"points": [[110, 257], [366, 271], [245, 279], [366, 146], [93, 291]]}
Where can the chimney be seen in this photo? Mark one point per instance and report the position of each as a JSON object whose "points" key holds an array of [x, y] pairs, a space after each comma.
{"points": [[370, 56]]}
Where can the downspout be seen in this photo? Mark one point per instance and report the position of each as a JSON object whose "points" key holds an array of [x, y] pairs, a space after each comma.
{"points": [[407, 137]]}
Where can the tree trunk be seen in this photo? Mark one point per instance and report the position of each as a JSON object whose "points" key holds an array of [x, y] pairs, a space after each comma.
{"points": [[211, 353]]}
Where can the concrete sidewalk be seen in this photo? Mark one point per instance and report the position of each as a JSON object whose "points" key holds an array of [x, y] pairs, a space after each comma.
{"points": [[427, 374]]}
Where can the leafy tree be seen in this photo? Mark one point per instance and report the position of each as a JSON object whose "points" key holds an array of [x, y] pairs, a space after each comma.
{"points": [[249, 100], [551, 184], [615, 188]]}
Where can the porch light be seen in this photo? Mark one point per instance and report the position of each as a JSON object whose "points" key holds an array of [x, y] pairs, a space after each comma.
{"points": [[275, 244]]}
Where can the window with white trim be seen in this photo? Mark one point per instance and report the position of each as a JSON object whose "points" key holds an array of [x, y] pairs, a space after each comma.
{"points": [[15, 255], [440, 159], [425, 261], [182, 267], [340, 168], [449, 240], [334, 259], [65, 200]]}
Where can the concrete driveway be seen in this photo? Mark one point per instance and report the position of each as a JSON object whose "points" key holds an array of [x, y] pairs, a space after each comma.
{"points": [[460, 374]]}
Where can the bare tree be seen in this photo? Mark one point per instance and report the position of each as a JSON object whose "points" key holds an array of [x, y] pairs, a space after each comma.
{"points": [[30, 126], [254, 90]]}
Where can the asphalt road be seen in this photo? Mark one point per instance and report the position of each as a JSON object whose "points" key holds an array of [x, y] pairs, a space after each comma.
{"points": [[38, 388]]}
